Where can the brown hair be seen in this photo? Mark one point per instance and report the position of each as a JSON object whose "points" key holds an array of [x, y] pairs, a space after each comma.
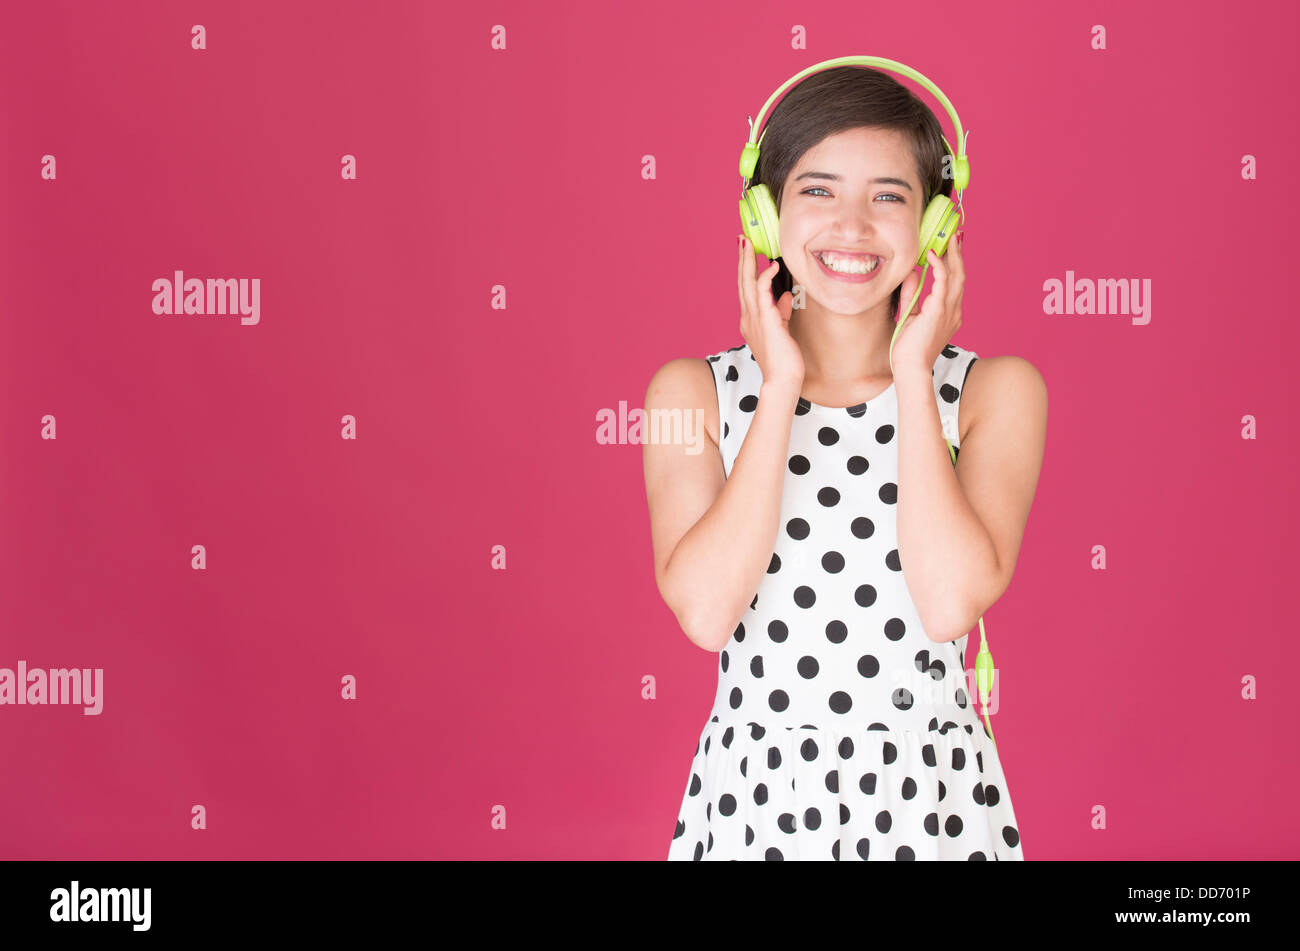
{"points": [[840, 98]]}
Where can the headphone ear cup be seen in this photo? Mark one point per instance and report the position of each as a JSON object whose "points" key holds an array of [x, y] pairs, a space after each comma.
{"points": [[759, 220], [937, 225]]}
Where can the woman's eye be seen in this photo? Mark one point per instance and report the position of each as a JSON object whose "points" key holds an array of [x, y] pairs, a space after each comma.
{"points": [[818, 188]]}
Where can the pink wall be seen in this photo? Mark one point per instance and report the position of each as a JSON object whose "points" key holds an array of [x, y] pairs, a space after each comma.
{"points": [[521, 688]]}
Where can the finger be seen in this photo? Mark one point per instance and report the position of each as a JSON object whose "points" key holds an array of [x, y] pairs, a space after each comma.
{"points": [[957, 271], [785, 306], [939, 290], [765, 286], [909, 288], [740, 271], [748, 298]]}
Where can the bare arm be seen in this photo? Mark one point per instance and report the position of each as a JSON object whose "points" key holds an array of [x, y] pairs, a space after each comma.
{"points": [[714, 536], [960, 528]]}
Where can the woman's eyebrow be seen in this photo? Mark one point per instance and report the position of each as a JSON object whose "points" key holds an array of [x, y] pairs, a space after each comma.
{"points": [[837, 178]]}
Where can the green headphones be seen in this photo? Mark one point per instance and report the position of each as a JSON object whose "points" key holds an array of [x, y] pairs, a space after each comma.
{"points": [[758, 218]]}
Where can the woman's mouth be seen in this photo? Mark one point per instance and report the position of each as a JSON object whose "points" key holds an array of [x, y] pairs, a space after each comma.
{"points": [[853, 268]]}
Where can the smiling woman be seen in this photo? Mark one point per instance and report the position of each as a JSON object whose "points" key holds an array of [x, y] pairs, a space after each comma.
{"points": [[833, 101], [826, 544]]}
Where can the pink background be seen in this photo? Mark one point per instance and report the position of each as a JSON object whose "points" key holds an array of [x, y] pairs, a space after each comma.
{"points": [[522, 688]]}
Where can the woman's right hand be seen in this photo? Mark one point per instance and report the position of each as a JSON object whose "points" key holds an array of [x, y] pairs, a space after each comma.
{"points": [[765, 324]]}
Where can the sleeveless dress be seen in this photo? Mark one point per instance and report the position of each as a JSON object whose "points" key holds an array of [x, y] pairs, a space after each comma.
{"points": [[839, 729]]}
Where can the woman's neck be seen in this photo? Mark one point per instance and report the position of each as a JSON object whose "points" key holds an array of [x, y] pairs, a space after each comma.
{"points": [[840, 351]]}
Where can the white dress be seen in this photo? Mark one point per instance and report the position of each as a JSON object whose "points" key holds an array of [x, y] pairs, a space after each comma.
{"points": [[839, 729]]}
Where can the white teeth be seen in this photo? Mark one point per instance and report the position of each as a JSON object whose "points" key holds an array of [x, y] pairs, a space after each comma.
{"points": [[847, 265]]}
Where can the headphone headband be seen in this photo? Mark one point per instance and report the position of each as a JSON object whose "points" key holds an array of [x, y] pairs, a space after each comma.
{"points": [[961, 170]]}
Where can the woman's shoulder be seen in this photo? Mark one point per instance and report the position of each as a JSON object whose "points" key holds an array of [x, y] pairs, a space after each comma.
{"points": [[698, 382], [686, 383], [703, 374], [1007, 378]]}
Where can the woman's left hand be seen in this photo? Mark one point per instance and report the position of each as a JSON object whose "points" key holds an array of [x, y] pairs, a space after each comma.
{"points": [[926, 333]]}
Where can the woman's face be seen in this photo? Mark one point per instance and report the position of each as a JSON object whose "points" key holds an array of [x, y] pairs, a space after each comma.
{"points": [[858, 192]]}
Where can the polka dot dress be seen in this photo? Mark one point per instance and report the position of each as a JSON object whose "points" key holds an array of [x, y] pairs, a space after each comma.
{"points": [[840, 730]]}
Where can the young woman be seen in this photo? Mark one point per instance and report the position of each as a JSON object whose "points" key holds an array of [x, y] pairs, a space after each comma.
{"points": [[825, 545]]}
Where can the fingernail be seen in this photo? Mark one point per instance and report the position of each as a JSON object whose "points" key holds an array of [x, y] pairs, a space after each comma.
{"points": [[740, 241], [961, 236]]}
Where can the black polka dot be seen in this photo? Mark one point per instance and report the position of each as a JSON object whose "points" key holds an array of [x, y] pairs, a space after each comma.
{"points": [[804, 596], [862, 527]]}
